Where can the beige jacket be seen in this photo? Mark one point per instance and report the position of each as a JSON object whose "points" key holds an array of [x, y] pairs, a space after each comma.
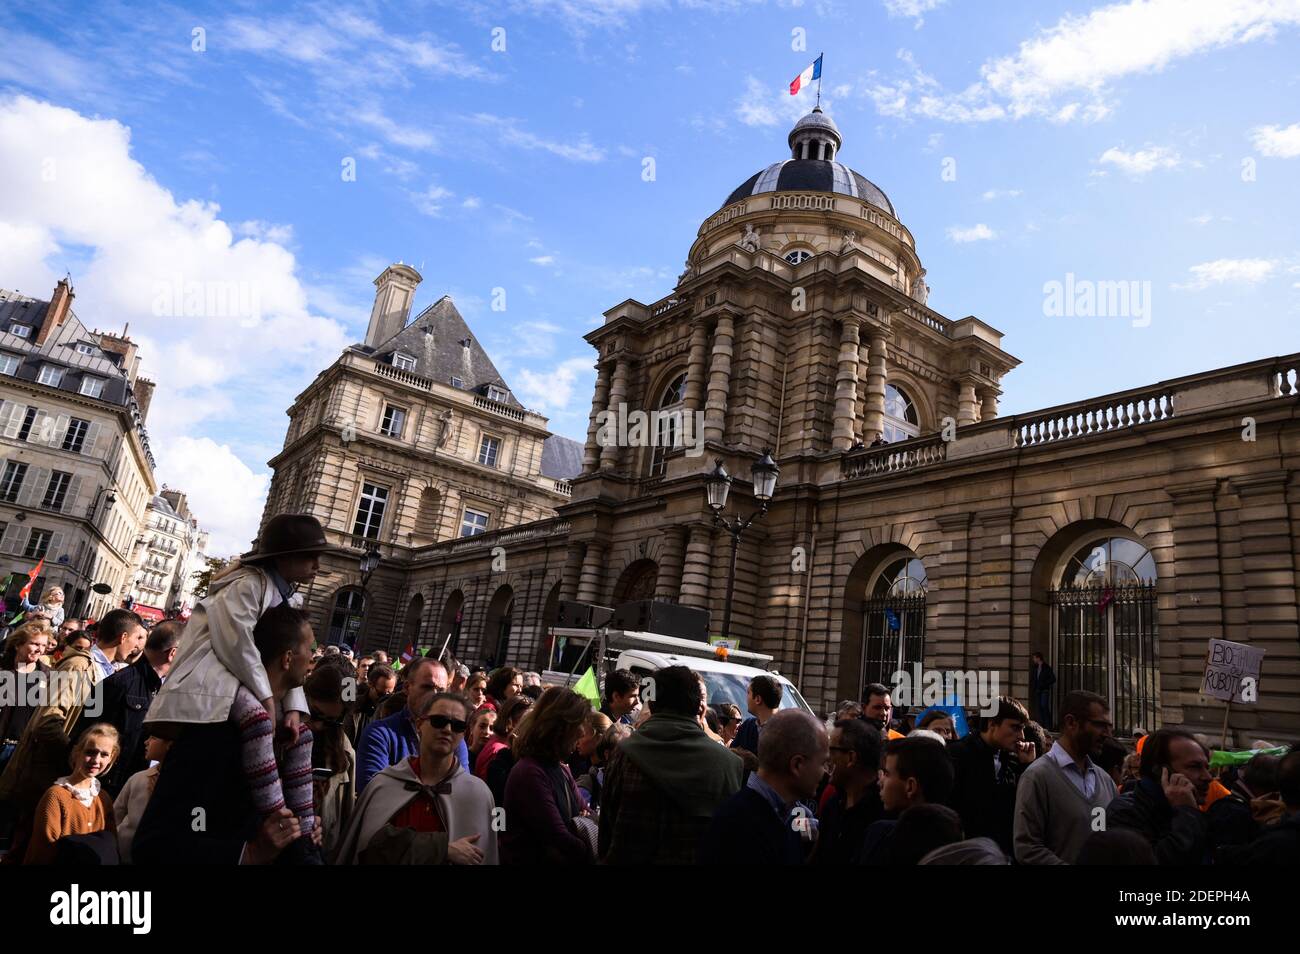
{"points": [[217, 653]]}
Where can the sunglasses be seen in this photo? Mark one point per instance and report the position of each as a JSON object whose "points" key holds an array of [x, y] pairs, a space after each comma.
{"points": [[442, 722], [317, 717]]}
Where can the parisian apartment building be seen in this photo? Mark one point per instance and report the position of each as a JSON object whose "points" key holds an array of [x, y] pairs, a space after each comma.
{"points": [[171, 550], [76, 470]]}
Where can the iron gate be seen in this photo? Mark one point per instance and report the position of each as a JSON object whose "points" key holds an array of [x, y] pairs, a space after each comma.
{"points": [[1104, 641], [893, 637]]}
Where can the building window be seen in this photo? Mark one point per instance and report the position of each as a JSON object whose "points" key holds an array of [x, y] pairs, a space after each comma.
{"points": [[20, 331], [487, 451], [394, 421], [403, 362], [91, 386], [497, 394], [457, 383], [56, 491], [798, 256], [901, 421], [83, 348], [668, 432], [37, 544], [51, 375], [370, 511], [75, 438], [12, 481], [473, 523], [345, 622], [28, 419], [8, 364]]}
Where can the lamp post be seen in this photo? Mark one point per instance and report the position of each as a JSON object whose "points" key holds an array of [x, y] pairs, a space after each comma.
{"points": [[369, 563], [716, 487]]}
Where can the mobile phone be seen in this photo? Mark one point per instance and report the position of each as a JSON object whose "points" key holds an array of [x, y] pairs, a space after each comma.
{"points": [[321, 774]]}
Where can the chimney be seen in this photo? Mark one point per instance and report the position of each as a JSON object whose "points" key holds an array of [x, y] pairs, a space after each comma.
{"points": [[143, 396], [56, 312], [395, 290], [124, 348]]}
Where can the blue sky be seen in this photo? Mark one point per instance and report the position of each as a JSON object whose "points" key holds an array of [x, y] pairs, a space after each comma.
{"points": [[1147, 141]]}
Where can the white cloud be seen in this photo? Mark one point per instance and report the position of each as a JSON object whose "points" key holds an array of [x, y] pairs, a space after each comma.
{"points": [[552, 391], [992, 194], [764, 104], [1142, 161], [1205, 218], [233, 354], [471, 202], [510, 134], [1222, 271], [223, 491], [543, 260], [429, 202], [408, 137], [975, 233], [1067, 72], [1276, 141], [265, 231], [912, 8]]}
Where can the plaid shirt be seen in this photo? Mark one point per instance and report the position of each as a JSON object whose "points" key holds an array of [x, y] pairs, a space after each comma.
{"points": [[639, 825]]}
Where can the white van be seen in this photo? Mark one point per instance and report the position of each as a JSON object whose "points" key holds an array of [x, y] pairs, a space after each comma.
{"points": [[725, 680]]}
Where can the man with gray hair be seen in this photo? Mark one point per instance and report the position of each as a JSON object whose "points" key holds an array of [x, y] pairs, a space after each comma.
{"points": [[390, 740], [762, 823]]}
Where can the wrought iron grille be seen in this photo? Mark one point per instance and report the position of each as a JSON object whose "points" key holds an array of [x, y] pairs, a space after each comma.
{"points": [[1104, 641], [893, 637]]}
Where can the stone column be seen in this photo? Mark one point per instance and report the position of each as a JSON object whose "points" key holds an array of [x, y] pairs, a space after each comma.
{"points": [[988, 404], [874, 421], [572, 571], [610, 453], [599, 402], [697, 366], [715, 408], [592, 581], [864, 362], [965, 402], [668, 588], [697, 567], [846, 384]]}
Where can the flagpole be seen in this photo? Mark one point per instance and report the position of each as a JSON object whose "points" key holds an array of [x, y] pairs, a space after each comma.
{"points": [[819, 80]]}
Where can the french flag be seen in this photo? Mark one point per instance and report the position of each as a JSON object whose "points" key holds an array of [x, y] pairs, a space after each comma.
{"points": [[805, 78]]}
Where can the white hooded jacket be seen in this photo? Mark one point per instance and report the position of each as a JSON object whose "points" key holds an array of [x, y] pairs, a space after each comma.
{"points": [[217, 652]]}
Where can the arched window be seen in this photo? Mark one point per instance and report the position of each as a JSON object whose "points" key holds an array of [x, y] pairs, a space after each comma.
{"points": [[1104, 630], [905, 577], [798, 256], [901, 420], [668, 425], [345, 621], [893, 619]]}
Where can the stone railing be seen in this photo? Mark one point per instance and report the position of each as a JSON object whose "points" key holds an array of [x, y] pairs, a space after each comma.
{"points": [[359, 544], [894, 458], [562, 486], [929, 318], [1268, 379], [537, 529], [665, 305], [403, 377], [497, 407], [1094, 417]]}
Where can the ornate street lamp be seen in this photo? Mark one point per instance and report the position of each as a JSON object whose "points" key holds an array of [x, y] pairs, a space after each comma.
{"points": [[717, 484], [370, 560]]}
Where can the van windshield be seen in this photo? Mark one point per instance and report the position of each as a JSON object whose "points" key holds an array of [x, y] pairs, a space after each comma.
{"points": [[725, 687]]}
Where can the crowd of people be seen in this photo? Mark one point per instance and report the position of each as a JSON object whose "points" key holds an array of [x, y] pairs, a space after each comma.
{"points": [[234, 739]]}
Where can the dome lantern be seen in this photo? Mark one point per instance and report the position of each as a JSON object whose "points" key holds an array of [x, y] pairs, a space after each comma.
{"points": [[815, 136]]}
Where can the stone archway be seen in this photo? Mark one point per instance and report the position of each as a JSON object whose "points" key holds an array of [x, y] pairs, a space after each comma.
{"points": [[637, 582], [884, 617], [414, 613], [453, 610], [496, 627]]}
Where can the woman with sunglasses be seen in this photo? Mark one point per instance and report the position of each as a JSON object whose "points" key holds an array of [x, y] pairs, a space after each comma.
{"points": [[730, 718], [426, 809]]}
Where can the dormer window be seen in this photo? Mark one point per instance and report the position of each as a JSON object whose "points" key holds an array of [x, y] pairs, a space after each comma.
{"points": [[497, 394], [457, 383], [20, 330], [92, 386], [51, 375], [83, 348], [798, 256], [403, 362]]}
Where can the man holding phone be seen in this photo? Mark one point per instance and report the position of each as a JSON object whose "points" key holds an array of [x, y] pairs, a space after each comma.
{"points": [[1165, 805]]}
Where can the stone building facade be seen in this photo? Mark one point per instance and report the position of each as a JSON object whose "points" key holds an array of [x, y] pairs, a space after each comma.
{"points": [[911, 522], [168, 552], [76, 471]]}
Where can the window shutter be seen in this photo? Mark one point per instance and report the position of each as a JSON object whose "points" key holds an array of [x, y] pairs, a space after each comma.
{"points": [[33, 489], [55, 549], [60, 429], [90, 445], [8, 542], [14, 421], [42, 424], [70, 497]]}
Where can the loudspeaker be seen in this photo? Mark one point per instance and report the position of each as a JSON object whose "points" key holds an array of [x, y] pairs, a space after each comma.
{"points": [[666, 619], [575, 615]]}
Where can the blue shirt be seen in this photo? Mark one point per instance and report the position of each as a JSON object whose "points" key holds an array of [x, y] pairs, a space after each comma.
{"points": [[1084, 781], [97, 654], [390, 740]]}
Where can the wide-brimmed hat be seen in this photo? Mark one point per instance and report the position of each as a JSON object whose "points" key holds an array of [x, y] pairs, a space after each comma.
{"points": [[288, 534]]}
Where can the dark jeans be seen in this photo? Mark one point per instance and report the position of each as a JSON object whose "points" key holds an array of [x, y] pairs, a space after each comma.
{"points": [[1045, 708]]}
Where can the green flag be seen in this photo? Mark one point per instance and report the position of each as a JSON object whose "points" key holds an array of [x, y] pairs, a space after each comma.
{"points": [[587, 687]]}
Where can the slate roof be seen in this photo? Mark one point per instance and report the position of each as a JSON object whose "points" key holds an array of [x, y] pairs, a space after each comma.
{"points": [[812, 175], [434, 339], [561, 457]]}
